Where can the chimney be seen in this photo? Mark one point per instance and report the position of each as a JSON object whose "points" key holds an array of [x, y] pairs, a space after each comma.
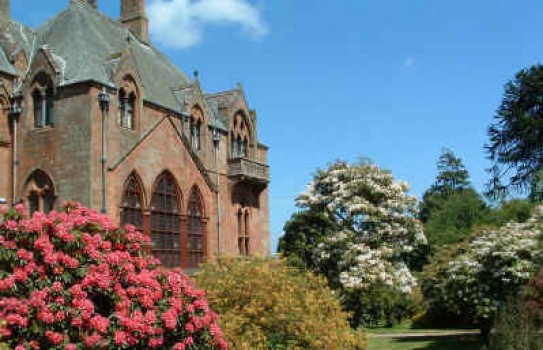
{"points": [[4, 10], [92, 3], [133, 16]]}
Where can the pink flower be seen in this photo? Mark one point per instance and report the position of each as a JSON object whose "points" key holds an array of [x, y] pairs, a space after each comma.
{"points": [[99, 323], [54, 337], [179, 346], [170, 319], [119, 338]]}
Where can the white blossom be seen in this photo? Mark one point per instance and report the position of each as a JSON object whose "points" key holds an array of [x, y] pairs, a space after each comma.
{"points": [[378, 225]]}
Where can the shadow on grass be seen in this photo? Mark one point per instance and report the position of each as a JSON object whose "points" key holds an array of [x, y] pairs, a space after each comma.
{"points": [[465, 342]]}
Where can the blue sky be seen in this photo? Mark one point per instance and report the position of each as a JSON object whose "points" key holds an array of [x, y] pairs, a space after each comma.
{"points": [[395, 81]]}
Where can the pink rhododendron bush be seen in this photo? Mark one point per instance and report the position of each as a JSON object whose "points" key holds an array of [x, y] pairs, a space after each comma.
{"points": [[72, 280]]}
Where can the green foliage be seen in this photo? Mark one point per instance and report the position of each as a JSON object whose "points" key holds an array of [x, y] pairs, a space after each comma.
{"points": [[303, 232], [450, 207], [515, 145], [516, 210], [454, 217], [452, 178], [265, 304], [381, 306], [475, 278]]}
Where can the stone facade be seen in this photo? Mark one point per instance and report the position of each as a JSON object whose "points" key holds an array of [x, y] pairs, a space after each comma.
{"points": [[185, 166]]}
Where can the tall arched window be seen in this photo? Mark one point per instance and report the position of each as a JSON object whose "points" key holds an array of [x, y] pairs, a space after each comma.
{"points": [[196, 231], [43, 99], [132, 205], [166, 221], [40, 192]]}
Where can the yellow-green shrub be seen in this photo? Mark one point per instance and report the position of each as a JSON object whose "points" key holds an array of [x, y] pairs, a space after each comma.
{"points": [[264, 304]]}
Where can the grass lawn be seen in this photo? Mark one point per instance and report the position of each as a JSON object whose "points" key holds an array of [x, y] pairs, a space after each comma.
{"points": [[425, 343]]}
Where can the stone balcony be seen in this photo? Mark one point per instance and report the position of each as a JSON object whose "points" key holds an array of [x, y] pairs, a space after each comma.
{"points": [[245, 170]]}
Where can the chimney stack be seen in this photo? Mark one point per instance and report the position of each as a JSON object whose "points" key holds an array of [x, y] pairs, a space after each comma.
{"points": [[133, 16], [92, 3], [5, 14]]}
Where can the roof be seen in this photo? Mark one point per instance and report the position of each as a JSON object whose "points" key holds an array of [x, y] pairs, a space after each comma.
{"points": [[86, 45], [14, 38], [84, 40]]}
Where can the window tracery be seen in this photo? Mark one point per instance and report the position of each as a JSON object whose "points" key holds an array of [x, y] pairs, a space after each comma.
{"points": [[166, 221], [132, 204]]}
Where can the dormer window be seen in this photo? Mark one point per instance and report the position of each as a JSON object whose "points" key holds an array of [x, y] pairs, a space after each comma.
{"points": [[127, 103], [43, 99]]}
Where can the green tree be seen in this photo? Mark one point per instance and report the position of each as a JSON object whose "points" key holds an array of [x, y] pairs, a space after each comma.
{"points": [[515, 146], [452, 178], [303, 232], [455, 217], [451, 207]]}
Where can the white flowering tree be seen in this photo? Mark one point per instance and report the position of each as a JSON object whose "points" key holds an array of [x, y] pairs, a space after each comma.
{"points": [[378, 227], [487, 270]]}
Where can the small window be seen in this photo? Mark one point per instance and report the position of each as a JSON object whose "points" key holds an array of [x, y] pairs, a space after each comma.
{"points": [[195, 134], [40, 193], [127, 103], [43, 100], [243, 232]]}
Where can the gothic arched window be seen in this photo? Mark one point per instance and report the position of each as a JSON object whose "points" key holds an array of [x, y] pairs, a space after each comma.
{"points": [[40, 192], [240, 137], [196, 231], [166, 221], [132, 205]]}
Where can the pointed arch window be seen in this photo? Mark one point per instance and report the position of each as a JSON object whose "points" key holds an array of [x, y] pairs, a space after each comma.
{"points": [[132, 205], [196, 232], [166, 221], [40, 192]]}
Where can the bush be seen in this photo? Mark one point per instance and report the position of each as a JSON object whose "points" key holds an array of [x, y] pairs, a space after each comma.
{"points": [[71, 280], [264, 304], [516, 329], [381, 306]]}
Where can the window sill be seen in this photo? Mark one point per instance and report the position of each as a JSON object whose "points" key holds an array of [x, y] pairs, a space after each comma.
{"points": [[42, 128], [127, 129]]}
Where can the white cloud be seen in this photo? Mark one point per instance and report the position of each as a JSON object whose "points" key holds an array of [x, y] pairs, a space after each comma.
{"points": [[181, 23]]}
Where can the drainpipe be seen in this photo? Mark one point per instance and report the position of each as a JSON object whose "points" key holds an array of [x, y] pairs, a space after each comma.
{"points": [[104, 98], [216, 143], [15, 113]]}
